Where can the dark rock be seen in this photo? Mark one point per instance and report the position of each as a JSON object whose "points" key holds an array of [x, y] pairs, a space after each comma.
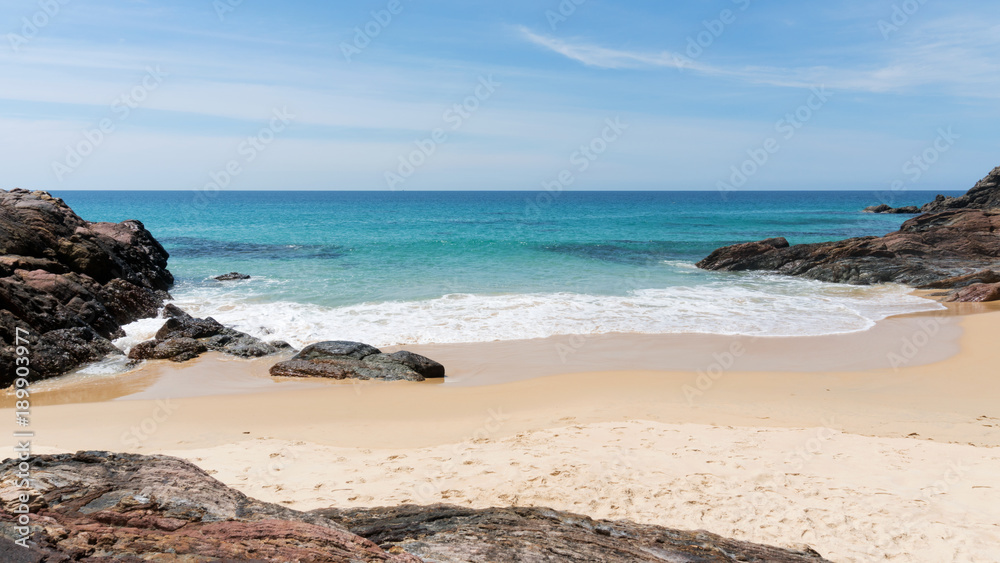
{"points": [[983, 276], [909, 209], [236, 343], [926, 250], [354, 360], [736, 256], [59, 351], [189, 327], [424, 366], [173, 340], [984, 195], [232, 276], [179, 349], [336, 349], [450, 534], [976, 293], [59, 272], [98, 506]]}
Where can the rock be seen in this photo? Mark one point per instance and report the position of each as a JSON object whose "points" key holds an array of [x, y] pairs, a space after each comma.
{"points": [[174, 340], [336, 349], [354, 360], [909, 209], [59, 272], [189, 327], [176, 349], [231, 276], [424, 366], [451, 534], [59, 351], [99, 506], [976, 293], [734, 257], [984, 195], [926, 250], [982, 276]]}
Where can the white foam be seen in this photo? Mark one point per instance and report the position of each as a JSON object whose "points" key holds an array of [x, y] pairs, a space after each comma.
{"points": [[752, 305]]}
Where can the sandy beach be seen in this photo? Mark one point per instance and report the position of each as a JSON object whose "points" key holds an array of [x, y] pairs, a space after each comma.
{"points": [[879, 462]]}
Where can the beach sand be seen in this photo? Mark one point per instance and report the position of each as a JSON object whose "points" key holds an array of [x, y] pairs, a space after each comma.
{"points": [[882, 445]]}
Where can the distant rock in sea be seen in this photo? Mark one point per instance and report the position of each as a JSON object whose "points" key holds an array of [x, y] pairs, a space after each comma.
{"points": [[232, 276], [71, 284], [183, 337], [354, 360], [984, 195], [955, 244], [100, 506]]}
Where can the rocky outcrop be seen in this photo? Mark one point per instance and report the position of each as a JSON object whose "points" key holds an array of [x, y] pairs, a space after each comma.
{"points": [[925, 251], [354, 360], [183, 337], [984, 195], [536, 535], [71, 283], [884, 208], [976, 293], [97, 506], [232, 276]]}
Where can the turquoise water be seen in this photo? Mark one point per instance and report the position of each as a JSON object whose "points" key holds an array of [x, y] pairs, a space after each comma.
{"points": [[401, 267]]}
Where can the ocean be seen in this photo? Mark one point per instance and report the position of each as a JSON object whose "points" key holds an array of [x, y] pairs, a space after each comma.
{"points": [[391, 268]]}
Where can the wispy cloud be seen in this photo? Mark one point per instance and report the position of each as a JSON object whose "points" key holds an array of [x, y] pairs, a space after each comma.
{"points": [[949, 56]]}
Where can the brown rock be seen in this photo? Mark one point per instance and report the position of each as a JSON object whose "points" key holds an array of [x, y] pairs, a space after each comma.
{"points": [[98, 506], [976, 293], [59, 272]]}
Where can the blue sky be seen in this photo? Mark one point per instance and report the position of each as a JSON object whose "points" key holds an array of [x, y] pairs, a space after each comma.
{"points": [[700, 88]]}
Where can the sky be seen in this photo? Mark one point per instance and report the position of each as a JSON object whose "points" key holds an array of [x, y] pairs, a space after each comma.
{"points": [[498, 95]]}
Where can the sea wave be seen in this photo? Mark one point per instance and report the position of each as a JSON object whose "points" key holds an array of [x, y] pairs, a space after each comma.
{"points": [[758, 305]]}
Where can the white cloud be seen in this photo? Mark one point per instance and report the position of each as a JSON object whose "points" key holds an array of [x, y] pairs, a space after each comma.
{"points": [[950, 57]]}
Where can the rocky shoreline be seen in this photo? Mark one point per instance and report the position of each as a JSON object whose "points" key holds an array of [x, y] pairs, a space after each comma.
{"points": [[953, 246], [71, 284], [99, 506]]}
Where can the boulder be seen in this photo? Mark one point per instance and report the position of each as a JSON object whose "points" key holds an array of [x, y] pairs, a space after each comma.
{"points": [[976, 293], [183, 337], [883, 208], [354, 360], [100, 506], [926, 250], [984, 195], [61, 273], [232, 276]]}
